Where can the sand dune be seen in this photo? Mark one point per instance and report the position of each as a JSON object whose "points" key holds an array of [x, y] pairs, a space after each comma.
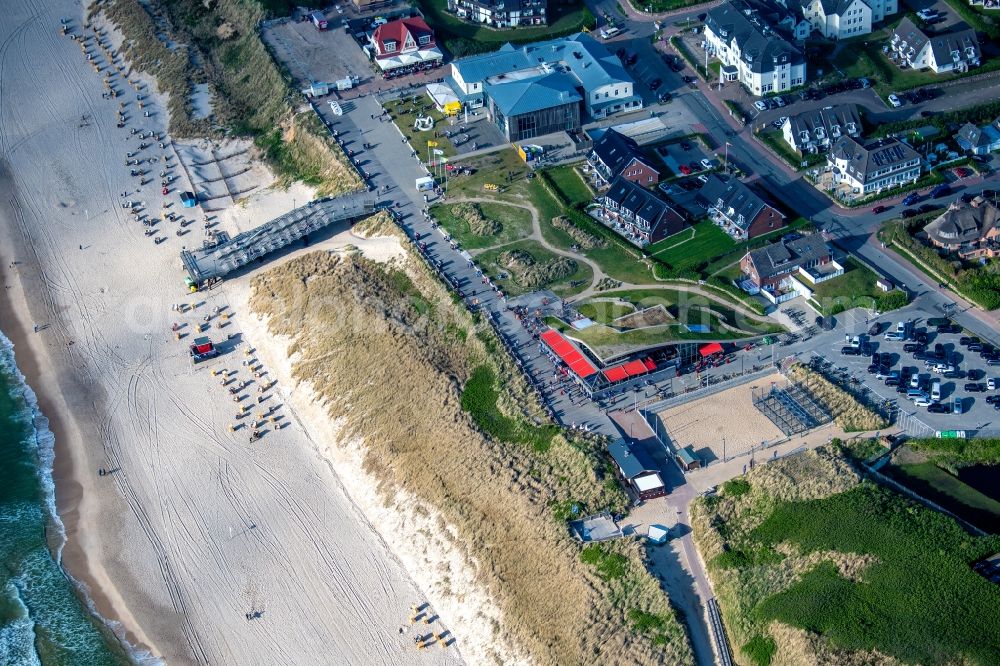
{"points": [[195, 527]]}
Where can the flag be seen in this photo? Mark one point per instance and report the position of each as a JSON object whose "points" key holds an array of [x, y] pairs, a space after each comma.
{"points": [[438, 151], [431, 144]]}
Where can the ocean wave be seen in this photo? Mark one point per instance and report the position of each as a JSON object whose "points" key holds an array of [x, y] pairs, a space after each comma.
{"points": [[40, 434], [17, 635]]}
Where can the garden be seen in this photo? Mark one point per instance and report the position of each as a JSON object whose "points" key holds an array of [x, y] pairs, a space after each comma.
{"points": [[855, 288]]}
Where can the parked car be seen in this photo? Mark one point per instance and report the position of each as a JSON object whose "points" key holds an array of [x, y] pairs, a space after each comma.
{"points": [[778, 100], [974, 387], [895, 101], [927, 208], [879, 209], [941, 191], [655, 83], [922, 400], [911, 347], [664, 97], [937, 408], [760, 105], [908, 213], [850, 351], [927, 14], [963, 172], [702, 178], [993, 399], [685, 169], [706, 163], [911, 198], [992, 383]]}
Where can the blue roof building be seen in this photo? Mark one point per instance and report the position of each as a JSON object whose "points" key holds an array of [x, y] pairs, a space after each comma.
{"points": [[529, 90]]}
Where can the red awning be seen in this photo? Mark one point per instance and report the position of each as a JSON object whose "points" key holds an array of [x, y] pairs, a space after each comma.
{"points": [[649, 364], [635, 368], [565, 350], [615, 374], [710, 348]]}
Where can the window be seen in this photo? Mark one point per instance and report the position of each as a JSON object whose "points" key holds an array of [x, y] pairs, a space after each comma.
{"points": [[390, 46], [424, 39]]}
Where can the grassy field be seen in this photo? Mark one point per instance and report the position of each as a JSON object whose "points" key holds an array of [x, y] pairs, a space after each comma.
{"points": [[694, 246], [570, 184], [404, 112], [516, 282], [812, 566], [604, 312], [947, 490], [855, 287], [515, 224], [465, 38], [684, 307]]}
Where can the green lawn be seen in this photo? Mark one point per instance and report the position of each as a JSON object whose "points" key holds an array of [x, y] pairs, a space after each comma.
{"points": [[464, 38], [919, 601], [564, 286], [657, 6], [570, 184], [724, 261], [854, 287], [515, 224], [693, 247], [400, 110], [688, 307], [605, 312], [940, 486]]}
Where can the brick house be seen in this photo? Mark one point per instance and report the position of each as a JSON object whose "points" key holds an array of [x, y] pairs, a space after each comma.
{"points": [[638, 214], [615, 154], [769, 266], [737, 209]]}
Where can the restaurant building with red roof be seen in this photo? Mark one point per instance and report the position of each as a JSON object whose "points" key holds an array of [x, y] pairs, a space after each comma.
{"points": [[404, 46]]}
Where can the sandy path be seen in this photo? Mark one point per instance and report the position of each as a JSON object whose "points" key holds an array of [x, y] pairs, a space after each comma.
{"points": [[196, 527]]}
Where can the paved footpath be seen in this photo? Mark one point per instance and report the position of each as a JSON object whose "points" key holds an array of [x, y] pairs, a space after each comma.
{"points": [[391, 164]]}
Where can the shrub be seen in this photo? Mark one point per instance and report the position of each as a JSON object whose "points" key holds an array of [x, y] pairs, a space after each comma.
{"points": [[478, 223], [736, 487], [609, 565], [760, 649], [581, 237]]}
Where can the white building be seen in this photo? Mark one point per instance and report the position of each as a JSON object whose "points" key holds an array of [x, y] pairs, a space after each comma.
{"points": [[813, 131], [873, 166], [843, 19], [739, 36], [949, 52]]}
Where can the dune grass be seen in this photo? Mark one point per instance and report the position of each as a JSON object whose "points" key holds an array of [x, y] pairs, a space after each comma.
{"points": [[514, 222], [251, 95], [841, 570], [445, 415]]}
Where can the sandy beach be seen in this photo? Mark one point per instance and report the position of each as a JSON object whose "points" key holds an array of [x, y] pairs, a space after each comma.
{"points": [[193, 528]]}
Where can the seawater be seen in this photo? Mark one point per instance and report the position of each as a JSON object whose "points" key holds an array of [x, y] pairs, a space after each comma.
{"points": [[44, 618]]}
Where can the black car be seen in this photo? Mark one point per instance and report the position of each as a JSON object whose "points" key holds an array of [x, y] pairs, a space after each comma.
{"points": [[922, 337], [992, 399], [922, 355], [976, 375], [908, 213], [974, 387], [993, 361], [975, 346], [873, 368], [892, 381], [664, 97], [926, 208], [953, 374], [949, 328], [937, 408], [964, 340], [850, 351], [655, 83]]}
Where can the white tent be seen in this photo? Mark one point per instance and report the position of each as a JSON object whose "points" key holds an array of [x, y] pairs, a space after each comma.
{"points": [[658, 534]]}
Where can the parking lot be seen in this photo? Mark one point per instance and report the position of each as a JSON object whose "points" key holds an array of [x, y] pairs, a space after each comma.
{"points": [[684, 158], [970, 368]]}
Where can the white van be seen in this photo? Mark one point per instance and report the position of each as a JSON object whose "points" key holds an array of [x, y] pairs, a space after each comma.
{"points": [[936, 390], [609, 32]]}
